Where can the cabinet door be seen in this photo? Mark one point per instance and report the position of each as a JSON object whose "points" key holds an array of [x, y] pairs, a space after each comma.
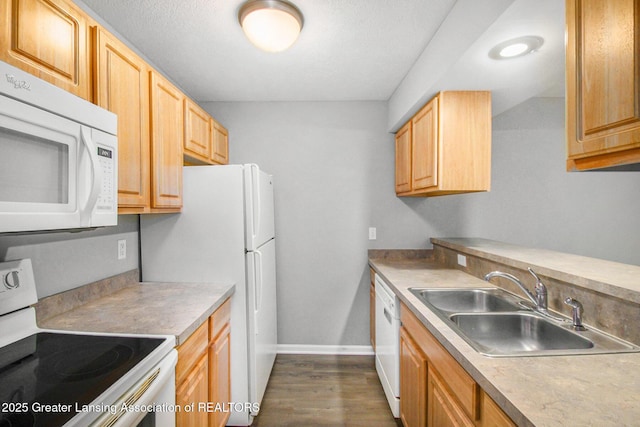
{"points": [[220, 145], [603, 77], [492, 415], [47, 38], [372, 316], [413, 383], [442, 409], [197, 131], [219, 377], [122, 87], [424, 151], [167, 132], [403, 159], [193, 390]]}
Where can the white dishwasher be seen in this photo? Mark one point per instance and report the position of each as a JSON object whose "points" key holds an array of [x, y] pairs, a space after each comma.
{"points": [[388, 343]]}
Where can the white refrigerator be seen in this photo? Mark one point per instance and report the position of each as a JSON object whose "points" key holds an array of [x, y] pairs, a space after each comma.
{"points": [[225, 234]]}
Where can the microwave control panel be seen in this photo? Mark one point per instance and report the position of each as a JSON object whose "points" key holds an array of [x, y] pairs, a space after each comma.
{"points": [[107, 198]]}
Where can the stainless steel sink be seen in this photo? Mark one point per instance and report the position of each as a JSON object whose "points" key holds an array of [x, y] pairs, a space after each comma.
{"points": [[482, 300], [513, 333], [498, 323]]}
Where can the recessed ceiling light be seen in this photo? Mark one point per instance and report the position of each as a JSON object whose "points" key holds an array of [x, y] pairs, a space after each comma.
{"points": [[516, 47], [271, 25]]}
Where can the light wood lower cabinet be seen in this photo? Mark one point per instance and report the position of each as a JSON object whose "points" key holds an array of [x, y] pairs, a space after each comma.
{"points": [[191, 391], [435, 391], [372, 308], [220, 363], [203, 372], [413, 384], [492, 415], [442, 409]]}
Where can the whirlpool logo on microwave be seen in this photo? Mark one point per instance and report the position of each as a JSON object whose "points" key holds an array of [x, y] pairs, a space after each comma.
{"points": [[18, 84]]}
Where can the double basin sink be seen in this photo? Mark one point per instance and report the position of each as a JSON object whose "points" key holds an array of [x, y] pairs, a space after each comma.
{"points": [[498, 323]]}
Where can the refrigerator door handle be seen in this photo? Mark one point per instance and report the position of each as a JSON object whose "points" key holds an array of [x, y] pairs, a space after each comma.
{"points": [[255, 178], [258, 288]]}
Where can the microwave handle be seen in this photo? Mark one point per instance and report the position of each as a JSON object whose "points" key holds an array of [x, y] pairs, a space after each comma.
{"points": [[96, 176]]}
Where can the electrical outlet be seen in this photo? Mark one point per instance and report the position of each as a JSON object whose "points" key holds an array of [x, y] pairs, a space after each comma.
{"points": [[122, 249], [462, 260], [372, 233]]}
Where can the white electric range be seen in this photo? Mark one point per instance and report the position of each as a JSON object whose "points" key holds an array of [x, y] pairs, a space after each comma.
{"points": [[61, 378]]}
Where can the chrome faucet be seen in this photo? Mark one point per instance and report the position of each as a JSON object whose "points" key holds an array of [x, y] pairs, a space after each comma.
{"points": [[539, 299], [576, 313]]}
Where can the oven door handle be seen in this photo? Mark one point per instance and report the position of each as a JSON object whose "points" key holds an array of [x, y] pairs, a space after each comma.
{"points": [[142, 394]]}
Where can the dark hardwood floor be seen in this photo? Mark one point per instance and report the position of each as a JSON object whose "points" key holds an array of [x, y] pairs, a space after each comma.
{"points": [[324, 390]]}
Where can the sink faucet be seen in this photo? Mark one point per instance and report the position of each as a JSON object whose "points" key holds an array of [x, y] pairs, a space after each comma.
{"points": [[539, 299]]}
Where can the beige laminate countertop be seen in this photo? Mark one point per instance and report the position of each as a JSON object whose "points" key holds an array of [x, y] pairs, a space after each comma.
{"points": [[146, 308], [590, 390]]}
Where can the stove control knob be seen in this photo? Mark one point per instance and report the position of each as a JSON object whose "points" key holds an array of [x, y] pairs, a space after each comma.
{"points": [[11, 280]]}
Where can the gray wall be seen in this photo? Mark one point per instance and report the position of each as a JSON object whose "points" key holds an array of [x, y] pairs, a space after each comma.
{"points": [[334, 173], [333, 169], [535, 202], [63, 260]]}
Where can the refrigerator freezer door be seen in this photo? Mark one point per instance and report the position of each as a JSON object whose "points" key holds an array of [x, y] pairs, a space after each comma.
{"points": [[261, 305], [259, 206]]}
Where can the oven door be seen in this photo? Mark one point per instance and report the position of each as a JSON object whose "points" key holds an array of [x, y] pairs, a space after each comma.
{"points": [[150, 402], [51, 170]]}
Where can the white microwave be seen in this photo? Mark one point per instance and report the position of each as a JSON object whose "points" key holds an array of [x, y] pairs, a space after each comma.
{"points": [[58, 157]]}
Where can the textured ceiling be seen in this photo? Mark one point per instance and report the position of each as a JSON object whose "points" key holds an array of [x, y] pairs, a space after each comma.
{"points": [[403, 51], [348, 49]]}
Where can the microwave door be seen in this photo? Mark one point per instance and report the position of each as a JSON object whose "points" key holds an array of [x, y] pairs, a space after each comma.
{"points": [[40, 169]]}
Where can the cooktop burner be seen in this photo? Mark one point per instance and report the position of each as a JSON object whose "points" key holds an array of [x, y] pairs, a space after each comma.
{"points": [[63, 370]]}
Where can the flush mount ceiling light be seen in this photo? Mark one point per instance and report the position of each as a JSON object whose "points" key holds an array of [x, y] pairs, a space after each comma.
{"points": [[271, 25], [514, 48]]}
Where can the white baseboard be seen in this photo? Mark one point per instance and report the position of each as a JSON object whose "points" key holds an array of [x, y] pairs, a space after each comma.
{"points": [[325, 349]]}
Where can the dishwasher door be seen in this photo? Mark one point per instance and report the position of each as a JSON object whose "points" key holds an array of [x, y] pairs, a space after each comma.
{"points": [[387, 343]]}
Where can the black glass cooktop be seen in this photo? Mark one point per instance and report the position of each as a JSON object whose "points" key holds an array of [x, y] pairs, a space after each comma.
{"points": [[65, 371]]}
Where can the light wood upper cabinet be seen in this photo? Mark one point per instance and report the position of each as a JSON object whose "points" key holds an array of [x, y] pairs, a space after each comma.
{"points": [[220, 144], [198, 134], [47, 38], [424, 147], [122, 87], [603, 83], [403, 159], [205, 140], [167, 133], [449, 146]]}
